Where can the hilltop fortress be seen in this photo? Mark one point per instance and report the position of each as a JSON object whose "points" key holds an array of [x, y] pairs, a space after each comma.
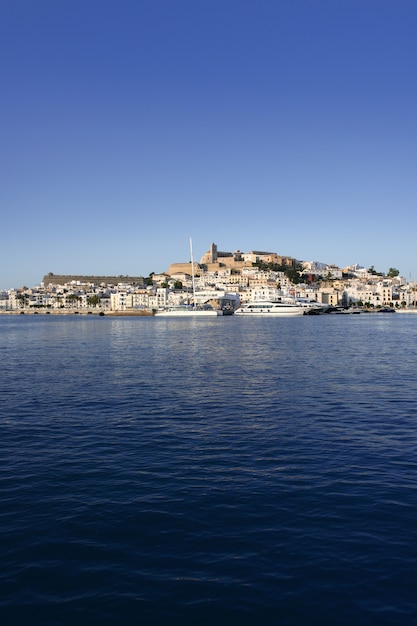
{"points": [[213, 261]]}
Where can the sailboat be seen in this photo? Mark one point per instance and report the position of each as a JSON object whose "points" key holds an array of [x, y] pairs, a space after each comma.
{"points": [[189, 310]]}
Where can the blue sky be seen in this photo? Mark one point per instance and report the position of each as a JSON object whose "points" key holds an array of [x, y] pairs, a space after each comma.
{"points": [[128, 126]]}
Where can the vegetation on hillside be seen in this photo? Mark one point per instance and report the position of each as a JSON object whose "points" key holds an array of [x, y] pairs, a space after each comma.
{"points": [[293, 272]]}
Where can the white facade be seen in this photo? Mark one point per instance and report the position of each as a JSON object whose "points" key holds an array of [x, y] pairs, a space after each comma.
{"points": [[376, 294]]}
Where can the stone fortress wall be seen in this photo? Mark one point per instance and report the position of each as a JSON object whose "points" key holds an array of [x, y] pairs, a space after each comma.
{"points": [[62, 279]]}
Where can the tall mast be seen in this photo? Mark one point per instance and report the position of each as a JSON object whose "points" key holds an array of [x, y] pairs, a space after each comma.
{"points": [[192, 269]]}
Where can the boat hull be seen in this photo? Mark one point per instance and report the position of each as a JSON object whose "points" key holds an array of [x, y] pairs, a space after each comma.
{"points": [[178, 312], [270, 309]]}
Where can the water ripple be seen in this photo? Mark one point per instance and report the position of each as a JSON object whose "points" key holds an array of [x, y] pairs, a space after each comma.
{"points": [[155, 471]]}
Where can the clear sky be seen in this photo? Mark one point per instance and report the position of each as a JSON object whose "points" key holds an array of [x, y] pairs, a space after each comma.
{"points": [[129, 126]]}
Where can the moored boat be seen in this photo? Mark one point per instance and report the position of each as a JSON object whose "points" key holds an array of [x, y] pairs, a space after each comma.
{"points": [[271, 308], [183, 310], [189, 310]]}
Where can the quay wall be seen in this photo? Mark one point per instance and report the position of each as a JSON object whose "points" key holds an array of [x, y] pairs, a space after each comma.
{"points": [[126, 313]]}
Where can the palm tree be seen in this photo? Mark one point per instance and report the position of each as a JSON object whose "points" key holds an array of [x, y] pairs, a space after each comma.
{"points": [[73, 298], [23, 299], [93, 300]]}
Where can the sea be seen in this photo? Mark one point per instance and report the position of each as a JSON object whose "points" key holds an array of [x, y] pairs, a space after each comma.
{"points": [[169, 471]]}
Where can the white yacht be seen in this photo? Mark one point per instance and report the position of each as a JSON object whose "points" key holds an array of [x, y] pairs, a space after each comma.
{"points": [[184, 310], [311, 307], [271, 308]]}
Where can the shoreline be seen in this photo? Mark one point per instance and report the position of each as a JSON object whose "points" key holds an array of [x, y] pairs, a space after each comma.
{"points": [[130, 313], [141, 312]]}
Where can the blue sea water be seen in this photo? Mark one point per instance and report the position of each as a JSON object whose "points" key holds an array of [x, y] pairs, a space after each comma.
{"points": [[208, 471]]}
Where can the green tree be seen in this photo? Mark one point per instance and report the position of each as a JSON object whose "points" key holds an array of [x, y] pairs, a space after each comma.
{"points": [[178, 284], [393, 272], [23, 299], [93, 300], [72, 298], [293, 274], [149, 279]]}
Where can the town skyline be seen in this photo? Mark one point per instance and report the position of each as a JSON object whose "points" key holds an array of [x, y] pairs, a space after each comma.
{"points": [[221, 279], [249, 255]]}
